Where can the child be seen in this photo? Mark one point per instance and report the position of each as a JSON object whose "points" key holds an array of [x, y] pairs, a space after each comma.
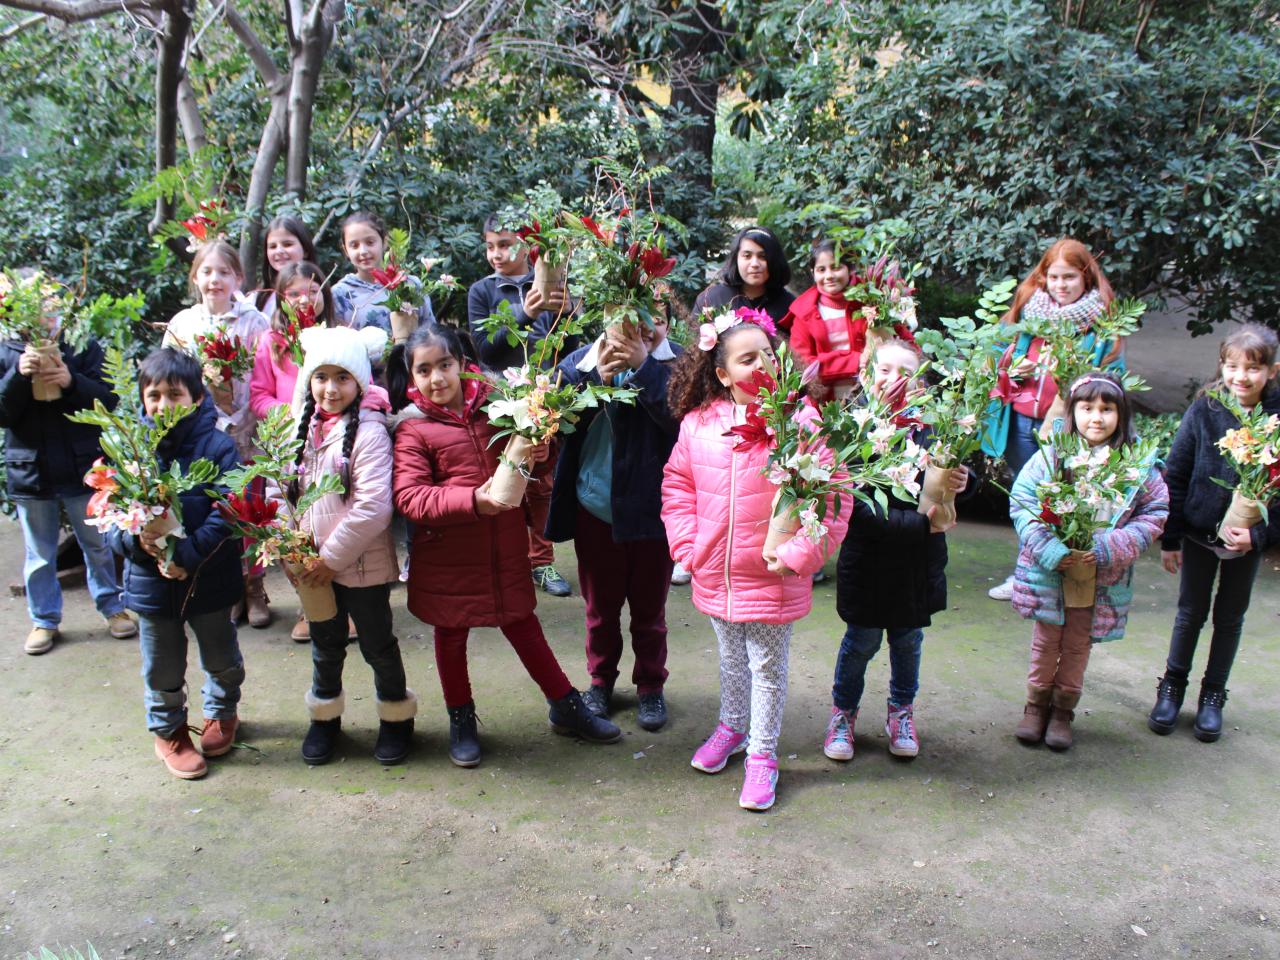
{"points": [[717, 505], [1197, 505], [1098, 410], [358, 298], [46, 458], [1067, 282], [607, 499], [891, 579], [286, 240], [199, 586], [470, 552], [352, 531], [827, 328], [755, 274], [512, 282]]}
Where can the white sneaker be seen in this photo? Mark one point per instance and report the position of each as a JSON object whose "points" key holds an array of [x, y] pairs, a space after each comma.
{"points": [[1002, 591], [680, 576]]}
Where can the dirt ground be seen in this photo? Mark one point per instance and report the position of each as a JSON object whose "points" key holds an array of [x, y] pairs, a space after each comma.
{"points": [[1128, 845]]}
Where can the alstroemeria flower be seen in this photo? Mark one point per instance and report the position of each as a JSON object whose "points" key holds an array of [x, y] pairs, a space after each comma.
{"points": [[707, 337], [518, 376]]}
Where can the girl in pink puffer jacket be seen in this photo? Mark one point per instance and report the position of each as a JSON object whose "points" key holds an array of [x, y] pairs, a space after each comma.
{"points": [[716, 505]]}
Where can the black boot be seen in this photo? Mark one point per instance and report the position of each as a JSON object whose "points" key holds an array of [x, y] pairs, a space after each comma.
{"points": [[569, 715], [464, 744], [1209, 716], [1169, 694], [321, 740], [392, 745]]}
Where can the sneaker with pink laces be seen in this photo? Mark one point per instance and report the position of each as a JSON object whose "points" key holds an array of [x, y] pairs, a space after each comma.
{"points": [[720, 746], [759, 784], [839, 742], [900, 727]]}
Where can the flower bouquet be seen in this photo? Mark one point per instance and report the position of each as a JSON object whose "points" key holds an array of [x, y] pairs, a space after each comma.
{"points": [[276, 535], [839, 451], [207, 223], [297, 317], [964, 358], [25, 303], [887, 297], [1065, 357], [540, 223], [132, 493], [404, 295], [1253, 450], [531, 405]]}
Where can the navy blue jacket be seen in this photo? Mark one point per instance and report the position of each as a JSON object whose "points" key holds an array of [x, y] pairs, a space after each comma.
{"points": [[483, 299], [643, 435], [1197, 504], [209, 553], [46, 455]]}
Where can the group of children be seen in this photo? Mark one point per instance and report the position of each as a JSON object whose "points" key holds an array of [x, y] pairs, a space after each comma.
{"points": [[638, 488]]}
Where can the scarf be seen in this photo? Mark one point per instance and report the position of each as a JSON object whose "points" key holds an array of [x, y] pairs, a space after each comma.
{"points": [[838, 303], [1082, 313]]}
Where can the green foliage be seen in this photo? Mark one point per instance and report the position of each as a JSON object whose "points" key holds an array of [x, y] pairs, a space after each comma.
{"points": [[68, 953], [1160, 429]]}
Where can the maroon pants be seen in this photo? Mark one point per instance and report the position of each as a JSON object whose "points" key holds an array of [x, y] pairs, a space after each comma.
{"points": [[531, 647], [537, 499], [636, 573]]}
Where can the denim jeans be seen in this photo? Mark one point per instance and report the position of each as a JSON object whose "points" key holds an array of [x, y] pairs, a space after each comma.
{"points": [[1235, 584], [857, 648], [370, 609], [41, 525], [164, 668], [1021, 445]]}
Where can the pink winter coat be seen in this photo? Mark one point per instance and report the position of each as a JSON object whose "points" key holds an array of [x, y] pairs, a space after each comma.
{"points": [[354, 536], [271, 383], [716, 504]]}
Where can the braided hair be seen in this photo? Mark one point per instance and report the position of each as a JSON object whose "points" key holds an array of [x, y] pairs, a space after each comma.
{"points": [[352, 416]]}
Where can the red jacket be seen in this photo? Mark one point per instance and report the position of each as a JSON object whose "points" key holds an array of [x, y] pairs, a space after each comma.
{"points": [[465, 570], [810, 341]]}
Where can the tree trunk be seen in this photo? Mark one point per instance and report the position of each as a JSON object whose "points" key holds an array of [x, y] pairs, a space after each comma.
{"points": [[189, 115], [170, 48], [314, 37], [264, 165], [698, 93]]}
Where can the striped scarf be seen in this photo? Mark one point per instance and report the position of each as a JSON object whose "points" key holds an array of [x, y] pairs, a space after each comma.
{"points": [[1082, 312]]}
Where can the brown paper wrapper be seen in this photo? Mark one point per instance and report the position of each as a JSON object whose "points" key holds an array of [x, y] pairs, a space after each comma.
{"points": [[936, 492], [48, 354], [1079, 583], [509, 480], [318, 603]]}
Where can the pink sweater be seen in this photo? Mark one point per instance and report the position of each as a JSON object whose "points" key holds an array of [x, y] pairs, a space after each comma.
{"points": [[716, 504], [271, 384]]}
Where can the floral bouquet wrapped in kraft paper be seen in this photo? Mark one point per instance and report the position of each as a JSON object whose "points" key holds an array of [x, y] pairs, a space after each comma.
{"points": [[1253, 450]]}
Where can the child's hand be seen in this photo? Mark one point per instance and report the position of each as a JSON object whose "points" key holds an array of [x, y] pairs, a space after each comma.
{"points": [[29, 363], [150, 544], [1171, 560], [535, 303], [937, 525], [486, 506], [1071, 560], [318, 573], [609, 363], [1237, 539], [539, 453], [959, 479], [774, 565], [55, 373], [172, 571]]}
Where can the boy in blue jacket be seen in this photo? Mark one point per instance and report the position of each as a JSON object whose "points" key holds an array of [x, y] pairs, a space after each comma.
{"points": [[198, 588]]}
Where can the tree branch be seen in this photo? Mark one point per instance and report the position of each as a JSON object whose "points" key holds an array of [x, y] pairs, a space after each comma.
{"points": [[77, 11], [14, 29], [256, 49]]}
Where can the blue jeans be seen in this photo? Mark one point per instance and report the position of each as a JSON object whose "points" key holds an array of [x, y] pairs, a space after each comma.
{"points": [[857, 648], [41, 524], [164, 668], [1022, 445]]}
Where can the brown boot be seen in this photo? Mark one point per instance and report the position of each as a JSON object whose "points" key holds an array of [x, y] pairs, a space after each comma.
{"points": [[180, 756], [1035, 715], [1058, 736], [255, 602], [301, 632], [219, 736]]}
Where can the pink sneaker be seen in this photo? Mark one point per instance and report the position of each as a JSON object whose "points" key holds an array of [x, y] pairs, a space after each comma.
{"points": [[759, 784], [720, 746], [901, 730], [839, 742]]}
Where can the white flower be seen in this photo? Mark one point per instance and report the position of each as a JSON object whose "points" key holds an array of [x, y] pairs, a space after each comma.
{"points": [[860, 416], [905, 476], [807, 468], [517, 410], [725, 321], [904, 311]]}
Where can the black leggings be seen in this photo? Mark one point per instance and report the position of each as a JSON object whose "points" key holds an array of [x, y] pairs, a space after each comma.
{"points": [[1199, 566]]}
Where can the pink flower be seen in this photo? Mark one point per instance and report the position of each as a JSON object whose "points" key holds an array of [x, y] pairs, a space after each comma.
{"points": [[707, 337], [810, 374]]}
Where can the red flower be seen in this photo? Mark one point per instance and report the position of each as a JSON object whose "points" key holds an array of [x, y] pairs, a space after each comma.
{"points": [[1273, 475], [226, 351], [606, 236], [1007, 391], [391, 277], [251, 509], [198, 226], [760, 380], [655, 264], [755, 431], [1048, 516]]}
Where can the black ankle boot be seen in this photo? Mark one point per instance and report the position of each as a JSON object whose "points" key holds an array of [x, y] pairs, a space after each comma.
{"points": [[1169, 694], [464, 743], [1209, 717], [321, 740], [392, 745], [569, 715]]}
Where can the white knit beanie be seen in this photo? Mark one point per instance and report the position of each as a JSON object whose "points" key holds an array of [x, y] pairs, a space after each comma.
{"points": [[352, 350]]}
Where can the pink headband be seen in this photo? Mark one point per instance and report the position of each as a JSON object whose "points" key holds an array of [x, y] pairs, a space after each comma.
{"points": [[1090, 378], [709, 333]]}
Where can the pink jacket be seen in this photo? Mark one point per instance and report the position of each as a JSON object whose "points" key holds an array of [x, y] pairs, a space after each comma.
{"points": [[354, 536], [271, 383], [716, 504]]}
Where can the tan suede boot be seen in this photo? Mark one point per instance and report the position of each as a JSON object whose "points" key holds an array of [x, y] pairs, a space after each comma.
{"points": [[1058, 735], [255, 603], [1035, 715]]}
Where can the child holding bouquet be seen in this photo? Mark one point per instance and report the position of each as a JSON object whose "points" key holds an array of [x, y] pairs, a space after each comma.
{"points": [[1098, 482], [196, 587], [1210, 456], [470, 563], [360, 298], [717, 505]]}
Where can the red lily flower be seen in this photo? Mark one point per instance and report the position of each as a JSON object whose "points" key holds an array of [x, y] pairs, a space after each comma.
{"points": [[251, 509], [755, 431], [605, 236], [391, 277], [226, 351], [1008, 391], [1049, 517], [656, 265], [760, 380], [198, 226]]}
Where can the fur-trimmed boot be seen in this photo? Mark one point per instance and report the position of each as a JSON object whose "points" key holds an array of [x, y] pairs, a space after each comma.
{"points": [[395, 728], [1035, 715], [326, 723], [1058, 734]]}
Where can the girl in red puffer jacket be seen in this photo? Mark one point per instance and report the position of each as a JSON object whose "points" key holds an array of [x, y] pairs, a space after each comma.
{"points": [[469, 562]]}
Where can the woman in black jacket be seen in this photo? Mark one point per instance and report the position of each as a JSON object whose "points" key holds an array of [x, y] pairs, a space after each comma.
{"points": [[755, 274]]}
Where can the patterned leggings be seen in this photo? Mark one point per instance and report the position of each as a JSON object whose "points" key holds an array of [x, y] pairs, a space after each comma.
{"points": [[753, 680]]}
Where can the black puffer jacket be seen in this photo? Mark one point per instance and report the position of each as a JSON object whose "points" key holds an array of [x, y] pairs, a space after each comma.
{"points": [[46, 455], [209, 553], [1197, 504]]}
